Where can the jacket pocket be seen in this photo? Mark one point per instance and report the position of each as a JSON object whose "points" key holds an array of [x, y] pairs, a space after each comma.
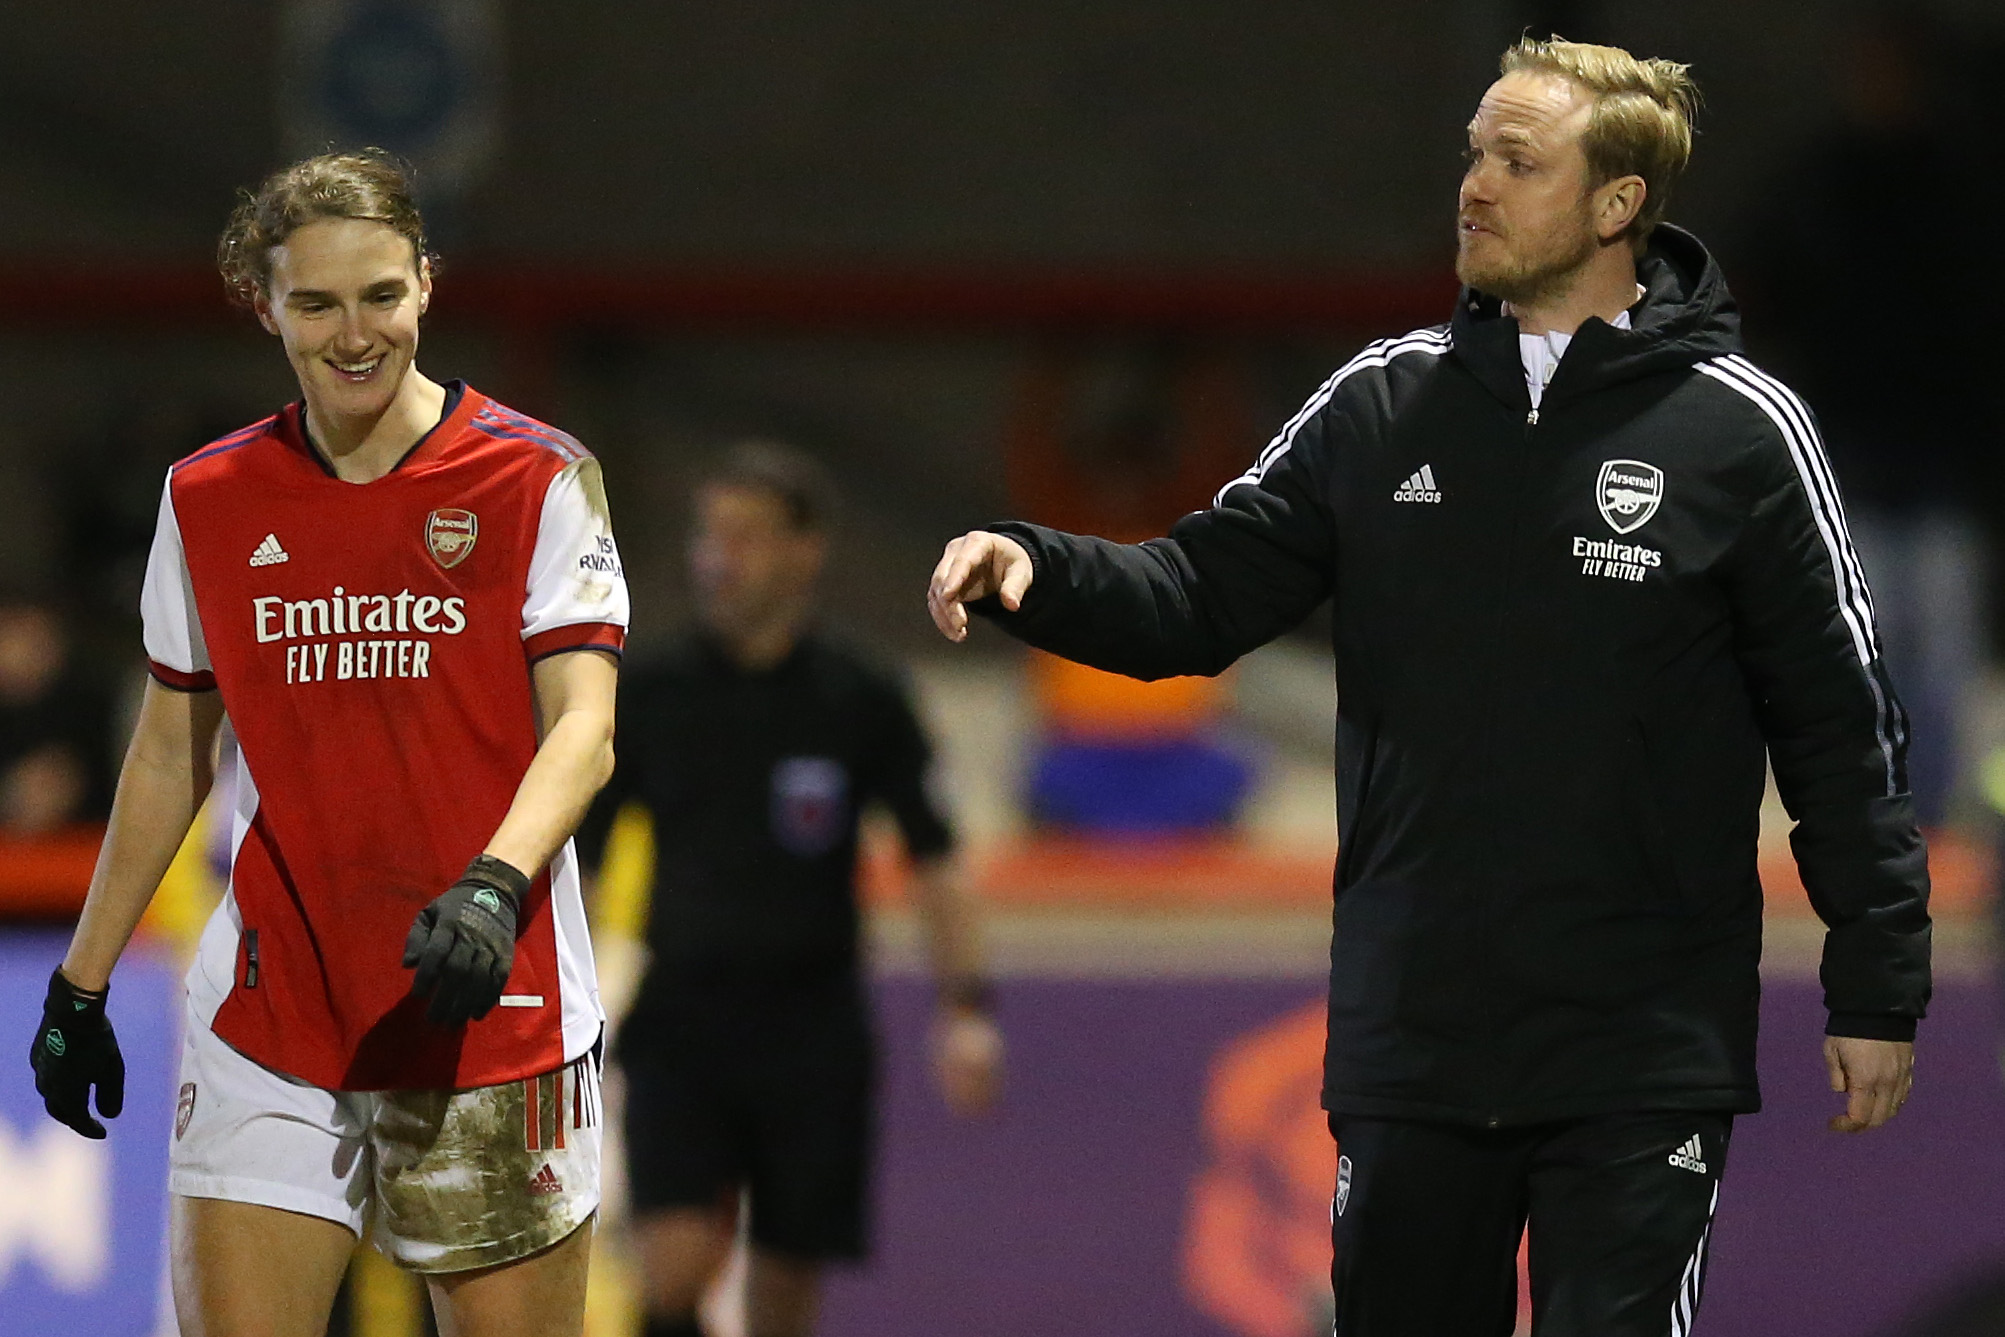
{"points": [[1645, 819], [1354, 776]]}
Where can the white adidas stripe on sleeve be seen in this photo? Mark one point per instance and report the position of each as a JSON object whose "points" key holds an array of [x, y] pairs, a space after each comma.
{"points": [[1799, 413], [1814, 471], [1380, 354], [1820, 486]]}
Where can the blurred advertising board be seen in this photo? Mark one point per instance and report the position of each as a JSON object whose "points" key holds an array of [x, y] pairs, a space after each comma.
{"points": [[83, 1224]]}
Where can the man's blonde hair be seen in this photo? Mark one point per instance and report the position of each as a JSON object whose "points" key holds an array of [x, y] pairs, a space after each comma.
{"points": [[1641, 124]]}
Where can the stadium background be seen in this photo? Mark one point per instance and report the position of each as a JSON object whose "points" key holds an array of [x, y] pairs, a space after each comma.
{"points": [[1069, 260]]}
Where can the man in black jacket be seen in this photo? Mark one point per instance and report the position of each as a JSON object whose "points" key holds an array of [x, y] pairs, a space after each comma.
{"points": [[1589, 571]]}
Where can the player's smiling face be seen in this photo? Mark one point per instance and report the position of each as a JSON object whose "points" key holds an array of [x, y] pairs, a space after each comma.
{"points": [[1526, 221], [345, 296]]}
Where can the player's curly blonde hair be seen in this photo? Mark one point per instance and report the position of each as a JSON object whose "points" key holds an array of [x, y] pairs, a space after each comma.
{"points": [[1641, 124], [370, 184]]}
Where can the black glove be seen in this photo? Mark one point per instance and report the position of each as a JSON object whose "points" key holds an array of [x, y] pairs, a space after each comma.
{"points": [[74, 1049], [463, 943]]}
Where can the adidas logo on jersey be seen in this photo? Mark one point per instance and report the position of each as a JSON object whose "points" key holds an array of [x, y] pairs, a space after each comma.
{"points": [[1688, 1156], [269, 553], [1420, 487], [546, 1181]]}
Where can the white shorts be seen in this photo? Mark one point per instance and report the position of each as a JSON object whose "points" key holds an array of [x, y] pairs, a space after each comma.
{"points": [[452, 1179]]}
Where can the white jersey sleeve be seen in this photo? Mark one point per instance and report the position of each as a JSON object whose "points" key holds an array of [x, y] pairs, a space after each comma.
{"points": [[172, 625], [577, 595]]}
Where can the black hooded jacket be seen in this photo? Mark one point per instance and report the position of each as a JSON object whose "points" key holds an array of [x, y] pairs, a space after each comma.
{"points": [[1565, 642]]}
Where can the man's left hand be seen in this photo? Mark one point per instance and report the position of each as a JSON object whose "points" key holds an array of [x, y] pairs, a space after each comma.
{"points": [[968, 1059], [1875, 1076]]}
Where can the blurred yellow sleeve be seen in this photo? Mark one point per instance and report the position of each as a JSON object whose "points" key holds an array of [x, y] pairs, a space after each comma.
{"points": [[626, 876], [190, 890]]}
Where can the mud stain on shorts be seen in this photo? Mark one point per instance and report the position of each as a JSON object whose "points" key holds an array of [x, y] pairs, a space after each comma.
{"points": [[468, 1179]]}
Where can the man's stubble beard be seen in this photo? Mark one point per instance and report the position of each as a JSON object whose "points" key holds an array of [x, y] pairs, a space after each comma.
{"points": [[1530, 280]]}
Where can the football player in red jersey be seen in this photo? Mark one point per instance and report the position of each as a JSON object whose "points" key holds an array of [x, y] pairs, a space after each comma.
{"points": [[407, 599]]}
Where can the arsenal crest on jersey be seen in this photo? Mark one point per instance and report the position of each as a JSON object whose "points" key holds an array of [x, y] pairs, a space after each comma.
{"points": [[450, 534], [1628, 493], [810, 804]]}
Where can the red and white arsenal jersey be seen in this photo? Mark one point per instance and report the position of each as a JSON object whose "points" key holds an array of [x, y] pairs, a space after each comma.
{"points": [[373, 643]]}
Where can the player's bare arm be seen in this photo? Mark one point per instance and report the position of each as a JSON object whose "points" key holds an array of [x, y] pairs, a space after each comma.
{"points": [[462, 945], [1874, 1076], [165, 778], [975, 566], [574, 702], [160, 788], [967, 1043]]}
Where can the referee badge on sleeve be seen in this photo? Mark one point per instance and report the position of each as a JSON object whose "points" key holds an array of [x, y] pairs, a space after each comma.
{"points": [[1343, 1197]]}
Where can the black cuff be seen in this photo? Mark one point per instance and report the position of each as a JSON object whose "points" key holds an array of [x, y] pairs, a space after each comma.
{"points": [[67, 1002], [991, 606], [1870, 1026], [499, 874], [59, 985]]}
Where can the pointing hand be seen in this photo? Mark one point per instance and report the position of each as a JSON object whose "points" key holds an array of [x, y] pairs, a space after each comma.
{"points": [[975, 566]]}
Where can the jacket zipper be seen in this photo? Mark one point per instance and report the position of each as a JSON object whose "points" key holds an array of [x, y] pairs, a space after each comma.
{"points": [[250, 958], [1491, 1119]]}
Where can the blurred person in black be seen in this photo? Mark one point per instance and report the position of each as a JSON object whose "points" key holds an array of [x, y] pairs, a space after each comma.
{"points": [[1589, 578], [55, 727], [103, 487], [1851, 268], [754, 746]]}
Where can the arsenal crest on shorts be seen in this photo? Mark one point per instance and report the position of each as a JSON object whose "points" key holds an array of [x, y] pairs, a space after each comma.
{"points": [[450, 534], [184, 1110], [1628, 493]]}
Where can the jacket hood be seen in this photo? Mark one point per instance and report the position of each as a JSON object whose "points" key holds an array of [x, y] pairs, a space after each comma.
{"points": [[1686, 315]]}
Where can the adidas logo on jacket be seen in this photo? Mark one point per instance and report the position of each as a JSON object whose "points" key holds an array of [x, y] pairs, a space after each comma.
{"points": [[1420, 487]]}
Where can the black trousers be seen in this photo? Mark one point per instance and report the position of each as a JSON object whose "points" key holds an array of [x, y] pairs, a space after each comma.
{"points": [[1427, 1220]]}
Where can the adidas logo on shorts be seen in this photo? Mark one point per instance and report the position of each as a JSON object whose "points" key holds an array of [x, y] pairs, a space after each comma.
{"points": [[1688, 1156], [546, 1181]]}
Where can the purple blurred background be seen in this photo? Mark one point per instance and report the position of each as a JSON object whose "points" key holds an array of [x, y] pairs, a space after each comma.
{"points": [[1069, 1213]]}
